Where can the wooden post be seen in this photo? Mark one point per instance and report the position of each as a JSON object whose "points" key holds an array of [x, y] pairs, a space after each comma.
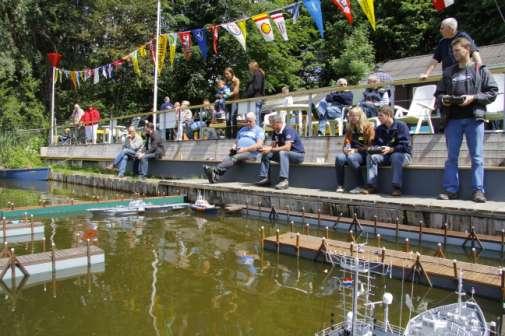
{"points": [[378, 240], [297, 244], [440, 252], [4, 228], [474, 255], [420, 231], [455, 268], [247, 208], [88, 254], [303, 214], [53, 259], [318, 219], [307, 228], [351, 247], [13, 264], [397, 225], [327, 232], [292, 226], [351, 236], [26, 217], [262, 236], [383, 254], [375, 224], [277, 239], [445, 235], [407, 245]]}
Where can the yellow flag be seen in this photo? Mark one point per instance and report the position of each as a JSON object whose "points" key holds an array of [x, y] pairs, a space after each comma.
{"points": [[73, 78], [172, 41], [162, 51], [367, 6], [135, 62], [242, 24], [142, 51]]}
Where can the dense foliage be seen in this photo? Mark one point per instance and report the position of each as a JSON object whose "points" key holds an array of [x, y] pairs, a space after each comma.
{"points": [[93, 32]]}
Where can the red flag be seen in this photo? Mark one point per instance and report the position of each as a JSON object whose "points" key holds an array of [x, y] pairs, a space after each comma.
{"points": [[440, 5], [215, 36], [345, 7], [185, 38]]}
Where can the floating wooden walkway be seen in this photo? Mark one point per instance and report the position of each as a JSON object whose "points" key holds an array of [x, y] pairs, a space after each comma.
{"points": [[396, 230], [81, 206], [488, 281], [27, 228]]}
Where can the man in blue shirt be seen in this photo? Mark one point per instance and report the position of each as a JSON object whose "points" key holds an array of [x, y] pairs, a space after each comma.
{"points": [[392, 140], [443, 52], [167, 104], [249, 139], [286, 148]]}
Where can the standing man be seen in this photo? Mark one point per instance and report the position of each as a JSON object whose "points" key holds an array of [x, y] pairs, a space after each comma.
{"points": [[463, 93], [443, 52], [286, 148], [249, 139], [167, 104], [153, 149], [391, 147]]}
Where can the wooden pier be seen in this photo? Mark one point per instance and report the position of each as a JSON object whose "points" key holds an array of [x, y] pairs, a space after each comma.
{"points": [[488, 281], [27, 227]]}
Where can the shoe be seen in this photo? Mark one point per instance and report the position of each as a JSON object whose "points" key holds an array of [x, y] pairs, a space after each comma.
{"points": [[142, 177], [110, 167], [479, 197], [357, 190], [264, 182], [282, 185], [210, 173], [340, 189], [447, 196], [368, 190], [121, 176], [396, 192]]}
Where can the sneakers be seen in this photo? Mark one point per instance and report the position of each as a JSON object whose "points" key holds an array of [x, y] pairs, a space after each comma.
{"points": [[282, 185], [447, 196], [340, 189], [396, 192], [479, 197], [357, 190], [368, 190], [210, 173], [264, 182], [110, 167]]}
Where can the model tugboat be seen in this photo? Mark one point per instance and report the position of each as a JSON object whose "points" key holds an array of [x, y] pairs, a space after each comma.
{"points": [[201, 205]]}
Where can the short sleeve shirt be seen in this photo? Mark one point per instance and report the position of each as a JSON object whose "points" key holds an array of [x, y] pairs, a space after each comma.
{"points": [[288, 134], [443, 52], [248, 136]]}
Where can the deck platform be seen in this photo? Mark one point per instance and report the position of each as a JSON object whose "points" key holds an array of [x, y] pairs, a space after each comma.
{"points": [[488, 281], [11, 229]]}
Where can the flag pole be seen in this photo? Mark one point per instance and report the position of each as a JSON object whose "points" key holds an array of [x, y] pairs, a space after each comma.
{"points": [[155, 93], [53, 131]]}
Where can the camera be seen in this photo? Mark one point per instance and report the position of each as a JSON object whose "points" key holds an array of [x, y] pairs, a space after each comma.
{"points": [[233, 151], [452, 100], [375, 149]]}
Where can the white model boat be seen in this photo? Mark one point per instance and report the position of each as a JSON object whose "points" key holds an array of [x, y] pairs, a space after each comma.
{"points": [[203, 206], [136, 207]]}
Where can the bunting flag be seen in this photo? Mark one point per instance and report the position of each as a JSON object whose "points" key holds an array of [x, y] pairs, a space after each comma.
{"points": [[215, 37], [345, 7], [73, 78], [201, 39], [172, 41], [104, 72], [56, 74], [96, 76], [367, 6], [314, 8], [243, 27], [263, 23], [142, 51], [294, 11], [162, 51], [185, 38], [234, 29], [440, 5], [135, 62], [278, 19]]}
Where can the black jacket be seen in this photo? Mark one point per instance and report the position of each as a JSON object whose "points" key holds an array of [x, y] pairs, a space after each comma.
{"points": [[397, 136], [154, 144], [256, 86]]}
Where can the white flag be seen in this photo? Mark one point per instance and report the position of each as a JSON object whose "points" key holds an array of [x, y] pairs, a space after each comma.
{"points": [[278, 19], [96, 76], [235, 30], [263, 23]]}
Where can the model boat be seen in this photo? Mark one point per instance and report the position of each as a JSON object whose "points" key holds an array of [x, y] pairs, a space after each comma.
{"points": [[201, 205], [136, 207]]}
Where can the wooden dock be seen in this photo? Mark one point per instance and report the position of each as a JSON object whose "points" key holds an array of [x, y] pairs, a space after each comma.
{"points": [[27, 227], [488, 281]]}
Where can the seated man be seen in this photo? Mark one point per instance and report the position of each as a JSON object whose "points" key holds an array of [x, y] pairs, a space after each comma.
{"points": [[249, 139], [286, 148], [374, 97], [131, 147], [153, 149], [392, 142], [332, 106]]}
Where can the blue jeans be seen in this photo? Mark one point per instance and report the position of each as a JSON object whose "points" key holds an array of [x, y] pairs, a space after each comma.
{"points": [[144, 163], [121, 159], [284, 158], [474, 133], [397, 162], [354, 161], [230, 161], [327, 111]]}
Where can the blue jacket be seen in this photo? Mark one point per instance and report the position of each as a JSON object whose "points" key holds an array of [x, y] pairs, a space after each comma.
{"points": [[397, 136]]}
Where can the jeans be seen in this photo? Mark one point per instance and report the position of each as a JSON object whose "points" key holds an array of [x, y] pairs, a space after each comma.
{"points": [[474, 133], [231, 121], [230, 161], [354, 160], [327, 111], [258, 110], [122, 159], [370, 109], [284, 158], [144, 163], [397, 162]]}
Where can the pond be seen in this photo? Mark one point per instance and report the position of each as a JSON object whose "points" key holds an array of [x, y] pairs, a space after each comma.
{"points": [[180, 274]]}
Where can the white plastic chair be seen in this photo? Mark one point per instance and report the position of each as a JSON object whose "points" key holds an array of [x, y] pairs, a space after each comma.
{"points": [[421, 107], [495, 109]]}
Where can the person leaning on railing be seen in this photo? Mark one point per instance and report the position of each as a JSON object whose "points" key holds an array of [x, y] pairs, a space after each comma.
{"points": [[133, 144], [90, 120], [75, 119], [359, 136]]}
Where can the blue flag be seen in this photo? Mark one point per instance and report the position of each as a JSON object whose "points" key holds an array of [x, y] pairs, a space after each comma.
{"points": [[200, 37], [314, 8], [293, 10]]}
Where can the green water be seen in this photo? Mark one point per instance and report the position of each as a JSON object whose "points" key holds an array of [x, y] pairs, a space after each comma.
{"points": [[178, 274]]}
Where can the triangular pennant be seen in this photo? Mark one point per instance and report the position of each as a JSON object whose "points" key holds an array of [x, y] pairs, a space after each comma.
{"points": [[345, 7], [234, 29], [73, 79], [172, 41], [162, 51], [185, 38], [200, 37], [294, 10], [314, 8], [135, 62], [96, 76], [243, 27], [264, 26], [104, 71], [215, 37], [367, 6], [142, 51], [110, 70], [278, 19], [440, 5]]}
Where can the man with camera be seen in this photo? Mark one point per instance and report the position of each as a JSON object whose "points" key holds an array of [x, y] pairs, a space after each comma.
{"points": [[249, 140], [392, 146], [462, 94]]}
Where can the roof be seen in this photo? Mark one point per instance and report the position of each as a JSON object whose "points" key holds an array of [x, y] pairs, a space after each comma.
{"points": [[411, 67]]}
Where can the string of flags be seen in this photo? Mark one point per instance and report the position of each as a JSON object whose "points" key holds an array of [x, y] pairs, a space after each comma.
{"points": [[168, 42]]}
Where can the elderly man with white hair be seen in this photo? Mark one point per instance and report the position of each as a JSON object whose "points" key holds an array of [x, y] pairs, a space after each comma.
{"points": [[249, 139], [443, 53]]}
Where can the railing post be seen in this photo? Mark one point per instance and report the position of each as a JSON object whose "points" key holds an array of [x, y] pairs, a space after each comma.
{"points": [[309, 118], [111, 131]]}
